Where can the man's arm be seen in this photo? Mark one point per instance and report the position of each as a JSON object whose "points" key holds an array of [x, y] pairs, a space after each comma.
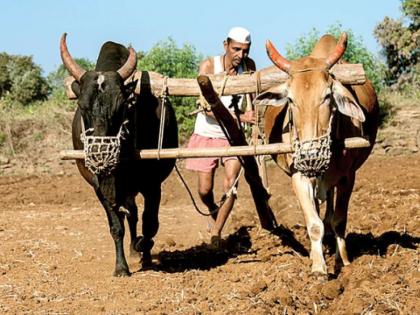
{"points": [[206, 67]]}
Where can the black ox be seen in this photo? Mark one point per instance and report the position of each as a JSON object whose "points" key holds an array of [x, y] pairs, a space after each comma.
{"points": [[110, 123]]}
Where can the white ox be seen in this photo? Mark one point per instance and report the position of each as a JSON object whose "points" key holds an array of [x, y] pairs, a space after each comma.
{"points": [[314, 112]]}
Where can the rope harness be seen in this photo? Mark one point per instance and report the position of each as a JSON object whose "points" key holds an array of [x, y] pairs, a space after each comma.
{"points": [[102, 153], [312, 157], [164, 97]]}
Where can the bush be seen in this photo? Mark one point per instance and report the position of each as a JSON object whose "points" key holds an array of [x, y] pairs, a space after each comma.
{"points": [[400, 45], [167, 59], [2, 138], [21, 80]]}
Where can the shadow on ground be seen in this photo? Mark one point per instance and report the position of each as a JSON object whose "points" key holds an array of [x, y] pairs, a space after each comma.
{"points": [[203, 256], [367, 244]]}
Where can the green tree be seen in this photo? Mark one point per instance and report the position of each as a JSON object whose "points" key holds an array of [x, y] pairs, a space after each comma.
{"points": [[55, 78], [21, 79], [356, 52], [170, 60], [400, 44]]}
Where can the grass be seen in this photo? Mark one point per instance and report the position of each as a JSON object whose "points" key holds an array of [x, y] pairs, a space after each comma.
{"points": [[23, 127]]}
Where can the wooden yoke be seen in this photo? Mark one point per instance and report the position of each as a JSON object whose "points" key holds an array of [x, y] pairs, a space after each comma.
{"points": [[238, 84], [237, 138]]}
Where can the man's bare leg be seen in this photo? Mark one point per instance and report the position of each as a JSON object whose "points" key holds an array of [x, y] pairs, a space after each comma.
{"points": [[205, 191]]}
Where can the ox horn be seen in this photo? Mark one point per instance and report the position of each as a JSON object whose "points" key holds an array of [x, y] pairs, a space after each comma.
{"points": [[130, 65], [281, 62], [338, 51], [72, 67]]}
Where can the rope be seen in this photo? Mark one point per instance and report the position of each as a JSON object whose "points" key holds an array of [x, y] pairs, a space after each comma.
{"points": [[225, 196], [222, 88], [163, 95], [203, 105], [256, 131]]}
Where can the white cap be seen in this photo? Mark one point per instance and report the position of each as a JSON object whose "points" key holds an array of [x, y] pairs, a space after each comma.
{"points": [[240, 35]]}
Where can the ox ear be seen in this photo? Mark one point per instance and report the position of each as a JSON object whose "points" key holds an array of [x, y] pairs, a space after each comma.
{"points": [[75, 87], [346, 103], [275, 96]]}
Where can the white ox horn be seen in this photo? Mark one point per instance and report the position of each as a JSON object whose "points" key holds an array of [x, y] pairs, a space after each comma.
{"points": [[338, 51], [281, 62], [72, 67], [130, 65], [77, 72]]}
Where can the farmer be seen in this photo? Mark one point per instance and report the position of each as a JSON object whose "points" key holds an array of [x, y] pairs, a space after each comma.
{"points": [[207, 132]]}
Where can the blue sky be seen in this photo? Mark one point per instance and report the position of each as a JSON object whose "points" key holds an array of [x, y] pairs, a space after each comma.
{"points": [[34, 27]]}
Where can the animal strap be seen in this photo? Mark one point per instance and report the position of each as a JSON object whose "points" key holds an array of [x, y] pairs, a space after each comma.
{"points": [[163, 96]]}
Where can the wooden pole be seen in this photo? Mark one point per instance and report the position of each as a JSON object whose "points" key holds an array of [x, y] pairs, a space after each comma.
{"points": [[236, 137], [238, 84], [182, 153]]}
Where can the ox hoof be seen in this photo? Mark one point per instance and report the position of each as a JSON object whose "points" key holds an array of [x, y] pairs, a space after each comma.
{"points": [[121, 273], [133, 252], [318, 276], [146, 261], [321, 270], [143, 244]]}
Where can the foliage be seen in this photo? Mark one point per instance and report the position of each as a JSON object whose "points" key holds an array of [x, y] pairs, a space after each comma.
{"points": [[169, 60], [356, 52], [55, 78], [400, 45], [21, 79]]}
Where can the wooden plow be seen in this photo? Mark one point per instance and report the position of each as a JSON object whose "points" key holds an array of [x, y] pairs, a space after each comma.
{"points": [[240, 84]]}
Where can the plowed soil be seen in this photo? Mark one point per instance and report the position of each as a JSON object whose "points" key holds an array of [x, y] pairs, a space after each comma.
{"points": [[57, 256]]}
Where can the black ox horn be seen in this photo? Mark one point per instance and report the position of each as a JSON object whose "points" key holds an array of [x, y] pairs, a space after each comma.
{"points": [[77, 72]]}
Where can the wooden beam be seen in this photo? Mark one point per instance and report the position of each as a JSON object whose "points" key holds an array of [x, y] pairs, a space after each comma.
{"points": [[182, 153], [243, 83]]}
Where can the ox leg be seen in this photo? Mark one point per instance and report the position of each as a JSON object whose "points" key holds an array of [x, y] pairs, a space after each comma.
{"points": [[304, 190], [117, 230], [339, 221], [150, 224], [329, 212], [132, 218]]}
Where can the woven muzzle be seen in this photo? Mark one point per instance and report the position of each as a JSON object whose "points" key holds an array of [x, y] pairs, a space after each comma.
{"points": [[102, 154], [312, 157]]}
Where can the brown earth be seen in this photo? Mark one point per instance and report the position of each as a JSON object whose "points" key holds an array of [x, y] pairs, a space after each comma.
{"points": [[57, 256]]}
